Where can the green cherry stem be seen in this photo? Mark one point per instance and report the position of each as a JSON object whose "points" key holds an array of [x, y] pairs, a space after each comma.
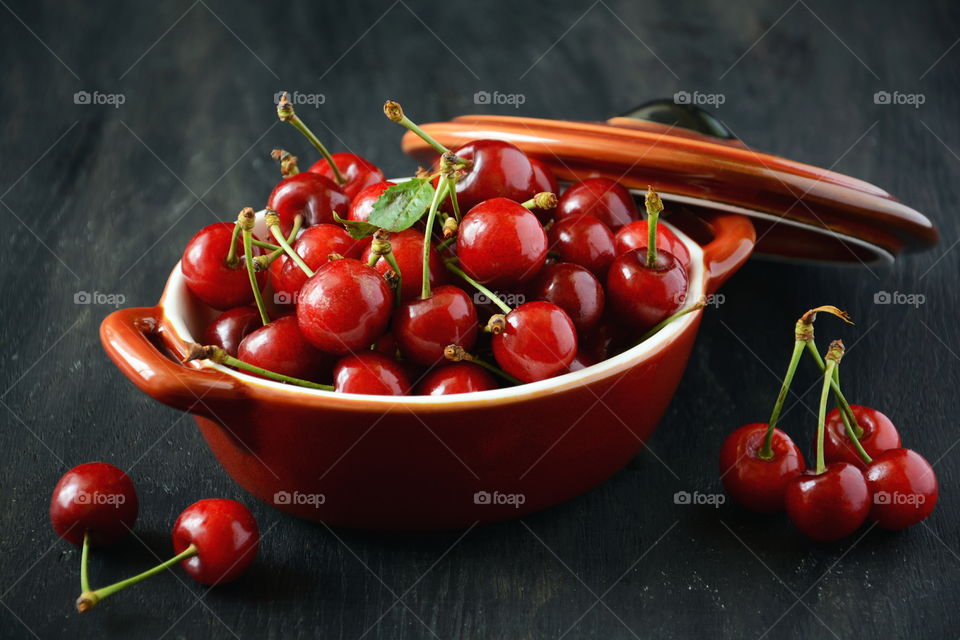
{"points": [[543, 200], [218, 355], [453, 268], [766, 451], [89, 599], [438, 196], [84, 555], [452, 190], [444, 244], [262, 263], [273, 223], [456, 353], [845, 409], [834, 354], [245, 221], [394, 112], [266, 245], [232, 260], [395, 266], [700, 304], [654, 206], [286, 114]]}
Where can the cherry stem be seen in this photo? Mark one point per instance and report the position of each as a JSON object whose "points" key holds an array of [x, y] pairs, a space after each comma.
{"points": [[444, 244], [456, 353], [454, 203], [654, 207], [844, 406], [84, 553], [273, 223], [89, 599], [286, 114], [700, 304], [834, 354], [232, 260], [395, 266], [288, 162], [266, 245], [438, 197], [394, 111], [543, 200], [766, 451], [218, 355], [245, 221], [476, 285], [848, 427]]}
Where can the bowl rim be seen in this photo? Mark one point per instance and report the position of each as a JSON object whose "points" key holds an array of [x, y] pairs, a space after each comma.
{"points": [[176, 296]]}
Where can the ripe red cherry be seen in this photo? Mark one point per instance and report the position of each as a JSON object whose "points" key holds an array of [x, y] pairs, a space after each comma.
{"points": [[310, 194], [344, 307], [573, 289], [407, 248], [231, 327], [602, 198], [904, 488], [362, 203], [543, 181], [457, 377], [634, 236], [359, 172], [206, 273], [585, 241], [501, 244], [754, 483], [226, 538], [879, 435], [97, 498], [830, 505], [538, 341], [315, 245], [498, 169], [370, 373], [424, 328], [281, 348], [641, 295]]}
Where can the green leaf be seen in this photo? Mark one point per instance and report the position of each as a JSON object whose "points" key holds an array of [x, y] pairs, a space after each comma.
{"points": [[401, 205], [357, 230]]}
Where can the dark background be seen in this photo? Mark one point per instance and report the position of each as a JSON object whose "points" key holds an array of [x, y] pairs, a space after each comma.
{"points": [[97, 198]]}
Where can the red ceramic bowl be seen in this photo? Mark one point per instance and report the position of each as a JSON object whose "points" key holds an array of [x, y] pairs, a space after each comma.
{"points": [[419, 462]]}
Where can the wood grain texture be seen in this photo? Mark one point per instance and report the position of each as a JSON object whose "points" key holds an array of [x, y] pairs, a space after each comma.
{"points": [[103, 199]]}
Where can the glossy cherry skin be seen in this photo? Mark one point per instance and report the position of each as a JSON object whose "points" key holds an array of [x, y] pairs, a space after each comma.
{"points": [[359, 172], [226, 537], [634, 236], [538, 342], [370, 373], [457, 377], [206, 273], [879, 435], [754, 483], [498, 169], [362, 204], [407, 248], [310, 194], [543, 180], [573, 289], [424, 328], [501, 244], [95, 497], [602, 198], [281, 348], [828, 506], [904, 488], [314, 245], [642, 296], [344, 307], [585, 241], [231, 327]]}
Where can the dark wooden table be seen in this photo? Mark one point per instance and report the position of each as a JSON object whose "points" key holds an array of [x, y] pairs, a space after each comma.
{"points": [[102, 197]]}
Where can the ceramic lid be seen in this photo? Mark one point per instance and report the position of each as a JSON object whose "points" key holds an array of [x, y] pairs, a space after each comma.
{"points": [[800, 211]]}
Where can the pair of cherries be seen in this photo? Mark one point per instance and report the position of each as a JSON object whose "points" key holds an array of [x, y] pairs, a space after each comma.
{"points": [[95, 504], [862, 472]]}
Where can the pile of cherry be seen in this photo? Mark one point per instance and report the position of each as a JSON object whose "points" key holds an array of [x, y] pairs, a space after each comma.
{"points": [[370, 279], [95, 505], [861, 471]]}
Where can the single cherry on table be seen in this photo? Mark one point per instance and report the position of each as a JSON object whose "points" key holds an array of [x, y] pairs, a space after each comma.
{"points": [[95, 501]]}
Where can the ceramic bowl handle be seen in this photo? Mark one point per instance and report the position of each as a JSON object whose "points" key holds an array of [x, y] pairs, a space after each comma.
{"points": [[126, 336], [733, 240]]}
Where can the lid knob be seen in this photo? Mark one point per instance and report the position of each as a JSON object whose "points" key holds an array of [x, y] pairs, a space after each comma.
{"points": [[672, 113]]}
